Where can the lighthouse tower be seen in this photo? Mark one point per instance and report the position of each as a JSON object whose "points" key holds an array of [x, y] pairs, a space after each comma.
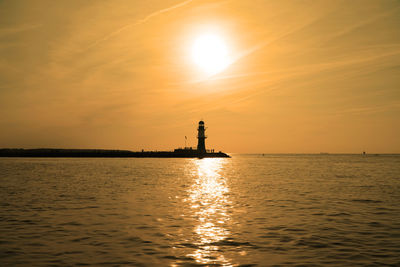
{"points": [[201, 145]]}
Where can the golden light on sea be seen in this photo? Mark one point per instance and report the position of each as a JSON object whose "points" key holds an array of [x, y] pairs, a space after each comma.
{"points": [[209, 203]]}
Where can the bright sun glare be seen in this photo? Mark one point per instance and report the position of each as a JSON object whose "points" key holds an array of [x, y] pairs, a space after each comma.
{"points": [[210, 53]]}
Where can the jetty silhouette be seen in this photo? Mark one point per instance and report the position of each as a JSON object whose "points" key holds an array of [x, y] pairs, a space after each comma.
{"points": [[186, 152]]}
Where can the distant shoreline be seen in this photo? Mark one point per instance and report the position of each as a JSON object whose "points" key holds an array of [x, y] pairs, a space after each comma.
{"points": [[105, 153]]}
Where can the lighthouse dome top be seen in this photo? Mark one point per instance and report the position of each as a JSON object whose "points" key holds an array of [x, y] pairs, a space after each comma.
{"points": [[201, 122]]}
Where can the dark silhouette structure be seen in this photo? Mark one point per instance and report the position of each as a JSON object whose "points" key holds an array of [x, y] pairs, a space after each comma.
{"points": [[186, 152], [201, 136]]}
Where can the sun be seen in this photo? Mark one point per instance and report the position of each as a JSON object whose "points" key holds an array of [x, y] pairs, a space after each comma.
{"points": [[210, 53]]}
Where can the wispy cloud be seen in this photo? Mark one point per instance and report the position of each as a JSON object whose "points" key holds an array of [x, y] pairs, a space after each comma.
{"points": [[139, 22], [18, 28], [369, 20], [366, 110]]}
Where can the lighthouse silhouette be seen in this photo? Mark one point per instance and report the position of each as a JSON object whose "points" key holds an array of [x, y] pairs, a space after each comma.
{"points": [[201, 145]]}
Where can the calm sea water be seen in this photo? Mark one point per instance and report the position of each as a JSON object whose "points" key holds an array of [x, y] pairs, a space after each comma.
{"points": [[272, 210]]}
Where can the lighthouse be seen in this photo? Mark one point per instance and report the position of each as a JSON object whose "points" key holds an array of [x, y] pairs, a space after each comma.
{"points": [[201, 145]]}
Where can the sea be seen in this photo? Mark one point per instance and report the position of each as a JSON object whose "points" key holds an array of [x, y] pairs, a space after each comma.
{"points": [[248, 210]]}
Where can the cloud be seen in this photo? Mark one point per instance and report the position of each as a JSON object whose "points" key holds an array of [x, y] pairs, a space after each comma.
{"points": [[368, 110], [349, 29], [139, 22], [18, 28]]}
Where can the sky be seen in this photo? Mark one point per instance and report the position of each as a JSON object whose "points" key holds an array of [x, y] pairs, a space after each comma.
{"points": [[305, 76]]}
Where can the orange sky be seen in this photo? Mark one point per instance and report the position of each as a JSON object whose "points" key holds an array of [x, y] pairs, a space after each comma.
{"points": [[307, 76]]}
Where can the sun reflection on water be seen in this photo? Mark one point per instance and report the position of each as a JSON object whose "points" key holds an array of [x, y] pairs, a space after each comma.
{"points": [[208, 197]]}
